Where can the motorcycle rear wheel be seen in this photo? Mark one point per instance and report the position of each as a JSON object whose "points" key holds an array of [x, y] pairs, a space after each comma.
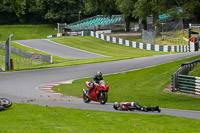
{"points": [[5, 102], [86, 99], [103, 97]]}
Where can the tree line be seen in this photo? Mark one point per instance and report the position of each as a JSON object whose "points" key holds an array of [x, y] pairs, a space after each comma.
{"points": [[53, 11]]}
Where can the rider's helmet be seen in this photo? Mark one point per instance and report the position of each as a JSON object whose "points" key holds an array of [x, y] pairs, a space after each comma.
{"points": [[116, 105], [99, 75]]}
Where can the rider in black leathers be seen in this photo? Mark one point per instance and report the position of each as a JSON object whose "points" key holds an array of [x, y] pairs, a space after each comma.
{"points": [[98, 77], [125, 106]]}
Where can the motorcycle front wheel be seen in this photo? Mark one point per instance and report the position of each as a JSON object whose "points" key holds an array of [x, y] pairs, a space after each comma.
{"points": [[103, 97], [86, 99], [5, 102]]}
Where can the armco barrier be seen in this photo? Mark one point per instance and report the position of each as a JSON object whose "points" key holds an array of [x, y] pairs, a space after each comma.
{"points": [[184, 83], [153, 47], [43, 58], [189, 84]]}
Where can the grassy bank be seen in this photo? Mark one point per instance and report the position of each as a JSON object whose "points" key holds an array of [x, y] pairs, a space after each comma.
{"points": [[24, 32], [91, 44], [56, 59], [20, 62], [195, 71], [144, 86], [159, 40], [25, 118]]}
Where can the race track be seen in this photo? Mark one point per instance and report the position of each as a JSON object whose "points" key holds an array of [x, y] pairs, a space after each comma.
{"points": [[21, 86], [58, 49]]}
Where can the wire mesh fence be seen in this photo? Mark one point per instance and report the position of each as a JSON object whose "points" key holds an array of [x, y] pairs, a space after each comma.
{"points": [[149, 37], [21, 63], [27, 54]]}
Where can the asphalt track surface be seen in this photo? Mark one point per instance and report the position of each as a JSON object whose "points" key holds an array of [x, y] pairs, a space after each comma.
{"points": [[21, 87], [58, 49]]}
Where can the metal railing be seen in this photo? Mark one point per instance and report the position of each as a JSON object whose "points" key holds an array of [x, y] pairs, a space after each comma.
{"points": [[42, 58], [172, 40], [180, 79], [21, 63]]}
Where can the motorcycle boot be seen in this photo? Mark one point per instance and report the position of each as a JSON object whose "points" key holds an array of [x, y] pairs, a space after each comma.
{"points": [[158, 109], [90, 89]]}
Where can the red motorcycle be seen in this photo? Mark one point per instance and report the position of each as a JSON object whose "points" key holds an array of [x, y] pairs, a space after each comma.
{"points": [[98, 94]]}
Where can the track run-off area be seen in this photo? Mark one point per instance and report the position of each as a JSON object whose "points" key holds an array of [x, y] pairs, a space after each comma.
{"points": [[22, 86]]}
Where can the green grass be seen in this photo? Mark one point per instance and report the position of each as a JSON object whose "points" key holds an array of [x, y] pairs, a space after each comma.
{"points": [[115, 51], [56, 59], [144, 86], [20, 62], [196, 71], [24, 32], [159, 40], [91, 44], [25, 118]]}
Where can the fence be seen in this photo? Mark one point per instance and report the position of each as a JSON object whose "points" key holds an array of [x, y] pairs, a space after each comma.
{"points": [[184, 83], [40, 57], [174, 40], [21, 63], [149, 37], [147, 46]]}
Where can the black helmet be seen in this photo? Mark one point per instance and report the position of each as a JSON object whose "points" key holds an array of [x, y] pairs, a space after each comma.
{"points": [[99, 75], [116, 105]]}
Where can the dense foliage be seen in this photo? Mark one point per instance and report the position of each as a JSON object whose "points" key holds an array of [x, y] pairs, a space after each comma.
{"points": [[53, 11]]}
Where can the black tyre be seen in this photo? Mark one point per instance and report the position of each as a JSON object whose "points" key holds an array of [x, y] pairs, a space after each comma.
{"points": [[86, 99], [103, 97], [5, 102], [1, 108]]}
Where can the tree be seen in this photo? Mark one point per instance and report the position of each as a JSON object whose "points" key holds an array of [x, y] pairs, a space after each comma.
{"points": [[18, 6], [111, 7], [126, 7], [191, 8], [106, 7], [57, 10], [142, 10], [7, 14]]}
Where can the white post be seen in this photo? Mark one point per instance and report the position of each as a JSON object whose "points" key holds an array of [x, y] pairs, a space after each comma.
{"points": [[51, 59], [58, 27]]}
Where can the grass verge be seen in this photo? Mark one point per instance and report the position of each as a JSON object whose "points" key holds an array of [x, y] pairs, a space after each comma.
{"points": [[159, 40], [144, 86], [24, 32], [25, 118], [91, 44], [195, 72], [56, 59], [20, 62]]}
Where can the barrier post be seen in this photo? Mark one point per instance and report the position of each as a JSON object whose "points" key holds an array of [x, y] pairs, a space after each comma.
{"points": [[8, 53]]}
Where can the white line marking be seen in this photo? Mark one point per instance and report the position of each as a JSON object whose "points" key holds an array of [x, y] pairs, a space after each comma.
{"points": [[75, 48], [36, 49]]}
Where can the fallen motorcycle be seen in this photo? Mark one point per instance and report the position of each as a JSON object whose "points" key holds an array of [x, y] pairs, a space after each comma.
{"points": [[98, 94], [5, 103]]}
